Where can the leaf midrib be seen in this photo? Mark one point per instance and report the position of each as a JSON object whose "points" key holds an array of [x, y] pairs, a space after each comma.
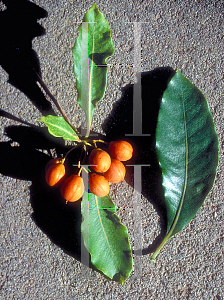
{"points": [[62, 129], [90, 83], [167, 237], [185, 174], [98, 211]]}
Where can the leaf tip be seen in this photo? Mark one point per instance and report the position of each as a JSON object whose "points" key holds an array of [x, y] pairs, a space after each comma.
{"points": [[94, 7], [119, 278]]}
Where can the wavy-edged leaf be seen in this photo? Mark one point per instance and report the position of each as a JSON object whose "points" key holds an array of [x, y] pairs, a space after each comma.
{"points": [[58, 127], [106, 238], [187, 150], [92, 47]]}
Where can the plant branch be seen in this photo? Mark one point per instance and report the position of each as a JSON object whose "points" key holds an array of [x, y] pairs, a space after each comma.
{"points": [[43, 85], [55, 102]]}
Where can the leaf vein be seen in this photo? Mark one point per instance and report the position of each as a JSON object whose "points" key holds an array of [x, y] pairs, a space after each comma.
{"points": [[62, 129], [98, 211]]}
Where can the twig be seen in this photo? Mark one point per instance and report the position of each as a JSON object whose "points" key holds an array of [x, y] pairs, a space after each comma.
{"points": [[55, 102], [39, 79]]}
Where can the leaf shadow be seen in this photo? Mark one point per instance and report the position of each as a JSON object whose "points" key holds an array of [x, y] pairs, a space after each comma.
{"points": [[24, 158], [119, 125], [19, 26]]}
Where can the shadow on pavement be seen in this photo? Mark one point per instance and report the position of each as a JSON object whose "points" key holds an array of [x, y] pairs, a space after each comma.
{"points": [[119, 125], [18, 23], [27, 152]]}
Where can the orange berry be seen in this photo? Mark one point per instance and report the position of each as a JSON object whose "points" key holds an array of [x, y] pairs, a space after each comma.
{"points": [[98, 185], [101, 159], [116, 172], [121, 150], [52, 162], [72, 188], [55, 174]]}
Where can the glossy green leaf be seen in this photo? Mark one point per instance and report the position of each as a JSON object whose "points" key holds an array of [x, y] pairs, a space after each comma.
{"points": [[58, 127], [106, 238], [92, 47], [187, 150]]}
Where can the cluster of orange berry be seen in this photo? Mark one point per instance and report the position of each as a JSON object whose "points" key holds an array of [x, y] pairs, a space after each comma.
{"points": [[105, 169]]}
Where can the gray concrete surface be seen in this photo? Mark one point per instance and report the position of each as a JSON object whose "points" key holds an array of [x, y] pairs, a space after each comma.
{"points": [[38, 259]]}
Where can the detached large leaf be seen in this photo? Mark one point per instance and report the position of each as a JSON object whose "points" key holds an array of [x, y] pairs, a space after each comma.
{"points": [[92, 47], [58, 127], [106, 238], [187, 149]]}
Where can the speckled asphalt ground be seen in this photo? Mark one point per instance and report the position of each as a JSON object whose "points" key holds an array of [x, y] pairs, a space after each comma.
{"points": [[38, 246]]}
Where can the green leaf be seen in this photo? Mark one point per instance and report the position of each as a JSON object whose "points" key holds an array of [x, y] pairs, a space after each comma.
{"points": [[106, 238], [92, 47], [187, 150], [57, 126]]}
